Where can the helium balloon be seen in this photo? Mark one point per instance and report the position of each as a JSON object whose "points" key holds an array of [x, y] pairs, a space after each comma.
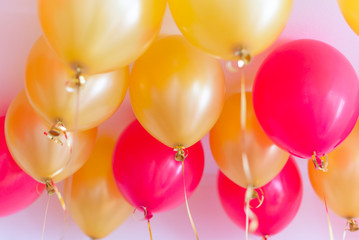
{"points": [[148, 175], [226, 140], [46, 80], [350, 11], [96, 204], [177, 92], [39, 157], [226, 29], [306, 97], [282, 199], [17, 189], [99, 36], [337, 185]]}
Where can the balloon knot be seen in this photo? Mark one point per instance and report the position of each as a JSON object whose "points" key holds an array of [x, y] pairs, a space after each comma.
{"points": [[76, 82], [49, 187], [320, 163], [352, 225], [181, 153], [55, 132], [243, 59], [145, 214], [252, 194]]}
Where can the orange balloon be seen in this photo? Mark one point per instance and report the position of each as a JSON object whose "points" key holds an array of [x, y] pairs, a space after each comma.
{"points": [[100, 36], [45, 84], [96, 204], [338, 185], [224, 28], [265, 159], [38, 156], [176, 91]]}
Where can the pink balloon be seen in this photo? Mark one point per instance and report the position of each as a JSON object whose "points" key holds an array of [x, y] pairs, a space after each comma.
{"points": [[147, 173], [306, 97], [17, 189], [282, 198]]}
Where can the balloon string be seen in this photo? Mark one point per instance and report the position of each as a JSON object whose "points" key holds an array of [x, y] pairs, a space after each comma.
{"points": [[243, 103], [45, 217], [329, 223], [187, 205], [247, 219], [344, 234], [59, 196], [149, 228]]}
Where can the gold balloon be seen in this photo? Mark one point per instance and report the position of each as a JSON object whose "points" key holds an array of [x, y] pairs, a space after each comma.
{"points": [[37, 155], [100, 35], [350, 11], [226, 140], [45, 84], [96, 204], [339, 183], [176, 91], [224, 28]]}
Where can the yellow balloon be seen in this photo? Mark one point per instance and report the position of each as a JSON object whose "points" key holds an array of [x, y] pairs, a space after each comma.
{"points": [[339, 183], [350, 11], [38, 156], [224, 28], [176, 91], [100, 35], [45, 84], [96, 204], [265, 159]]}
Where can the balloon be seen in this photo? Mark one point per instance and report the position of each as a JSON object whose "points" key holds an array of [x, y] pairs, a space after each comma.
{"points": [[350, 11], [17, 189], [338, 184], [224, 28], [100, 36], [177, 92], [148, 175], [306, 97], [264, 158], [38, 156], [96, 205], [46, 78], [282, 199]]}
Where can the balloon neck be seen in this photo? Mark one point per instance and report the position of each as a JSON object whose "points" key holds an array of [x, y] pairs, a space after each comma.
{"points": [[320, 163], [144, 212], [56, 131], [243, 58], [266, 237], [49, 187], [181, 153], [252, 194], [352, 225], [76, 82]]}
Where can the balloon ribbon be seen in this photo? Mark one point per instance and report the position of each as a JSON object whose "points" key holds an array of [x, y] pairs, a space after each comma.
{"points": [[149, 228], [329, 223], [181, 155], [45, 217]]}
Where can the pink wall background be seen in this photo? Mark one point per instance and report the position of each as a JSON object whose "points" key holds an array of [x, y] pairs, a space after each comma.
{"points": [[316, 19]]}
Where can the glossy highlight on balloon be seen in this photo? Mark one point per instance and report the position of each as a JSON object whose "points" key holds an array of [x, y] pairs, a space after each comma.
{"points": [[38, 156], [100, 36], [96, 204], [224, 28], [282, 199], [306, 97], [17, 189], [147, 173], [338, 185], [177, 92], [265, 159], [46, 81]]}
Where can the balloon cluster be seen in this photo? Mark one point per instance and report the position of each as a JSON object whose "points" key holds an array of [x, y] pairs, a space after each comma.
{"points": [[305, 102]]}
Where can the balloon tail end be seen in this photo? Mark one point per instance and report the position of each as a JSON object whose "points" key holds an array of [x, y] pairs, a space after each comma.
{"points": [[320, 163], [181, 153]]}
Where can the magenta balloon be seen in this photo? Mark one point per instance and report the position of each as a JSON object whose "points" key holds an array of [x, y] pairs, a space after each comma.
{"points": [[147, 173], [282, 198], [306, 97], [17, 189]]}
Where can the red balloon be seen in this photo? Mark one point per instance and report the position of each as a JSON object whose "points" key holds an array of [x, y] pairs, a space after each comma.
{"points": [[306, 97], [282, 198], [147, 173], [17, 189]]}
